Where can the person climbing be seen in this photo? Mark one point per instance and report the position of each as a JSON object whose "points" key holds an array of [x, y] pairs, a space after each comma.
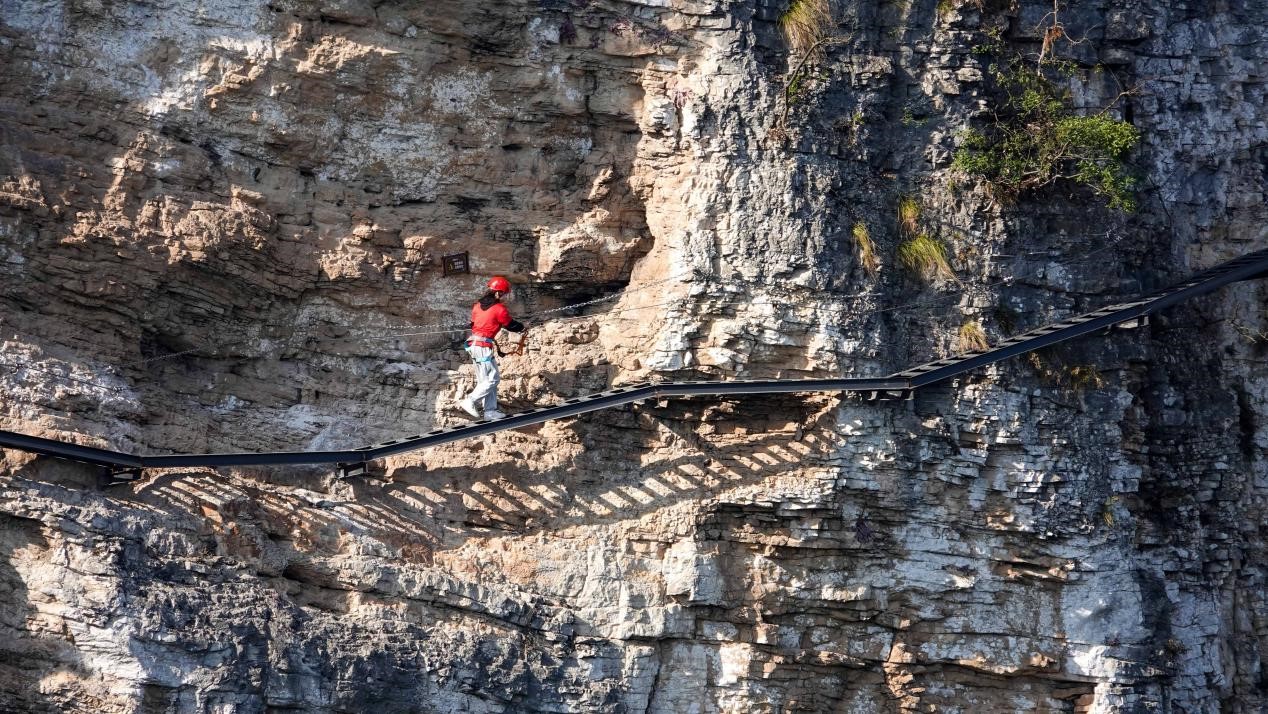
{"points": [[488, 317]]}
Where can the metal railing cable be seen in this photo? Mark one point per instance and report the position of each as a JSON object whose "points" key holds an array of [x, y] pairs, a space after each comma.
{"points": [[209, 351], [1246, 267]]}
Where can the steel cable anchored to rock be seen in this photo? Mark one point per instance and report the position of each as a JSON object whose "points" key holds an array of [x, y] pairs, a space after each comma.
{"points": [[211, 350], [900, 384]]}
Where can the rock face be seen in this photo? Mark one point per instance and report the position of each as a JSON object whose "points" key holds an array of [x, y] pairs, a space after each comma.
{"points": [[222, 226]]}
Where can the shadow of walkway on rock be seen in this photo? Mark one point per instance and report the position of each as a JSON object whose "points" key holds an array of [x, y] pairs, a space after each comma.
{"points": [[461, 501]]}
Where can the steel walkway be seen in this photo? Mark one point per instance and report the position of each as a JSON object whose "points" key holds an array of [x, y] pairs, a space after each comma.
{"points": [[127, 467]]}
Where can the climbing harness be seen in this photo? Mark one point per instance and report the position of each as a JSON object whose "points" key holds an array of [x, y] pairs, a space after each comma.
{"points": [[518, 349], [480, 342]]}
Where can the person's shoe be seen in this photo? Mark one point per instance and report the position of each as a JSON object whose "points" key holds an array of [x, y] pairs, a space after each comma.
{"points": [[469, 407], [494, 414]]}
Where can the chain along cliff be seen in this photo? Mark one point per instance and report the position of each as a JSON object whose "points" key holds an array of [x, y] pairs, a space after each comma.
{"points": [[222, 228]]}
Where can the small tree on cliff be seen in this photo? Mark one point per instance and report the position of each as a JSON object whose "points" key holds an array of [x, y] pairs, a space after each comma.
{"points": [[807, 26], [1035, 138]]}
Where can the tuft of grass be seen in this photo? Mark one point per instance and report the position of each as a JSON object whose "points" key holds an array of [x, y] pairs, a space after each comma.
{"points": [[805, 23], [1075, 378], [973, 337], [946, 6], [1107, 511], [852, 126], [867, 249], [1037, 363], [1084, 376], [908, 216], [911, 120], [926, 257]]}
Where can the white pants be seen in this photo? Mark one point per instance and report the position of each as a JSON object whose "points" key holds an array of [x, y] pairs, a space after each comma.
{"points": [[487, 377]]}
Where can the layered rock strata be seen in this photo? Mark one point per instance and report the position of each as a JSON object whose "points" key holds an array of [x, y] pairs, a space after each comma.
{"points": [[222, 226]]}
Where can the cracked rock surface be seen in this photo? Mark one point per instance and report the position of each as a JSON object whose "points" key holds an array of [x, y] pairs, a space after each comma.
{"points": [[223, 227]]}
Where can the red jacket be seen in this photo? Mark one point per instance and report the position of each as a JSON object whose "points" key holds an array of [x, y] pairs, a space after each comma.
{"points": [[487, 321]]}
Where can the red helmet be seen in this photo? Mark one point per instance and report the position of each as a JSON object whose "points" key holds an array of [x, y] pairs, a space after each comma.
{"points": [[500, 284]]}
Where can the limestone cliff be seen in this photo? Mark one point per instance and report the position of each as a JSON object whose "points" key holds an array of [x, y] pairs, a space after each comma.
{"points": [[221, 228]]}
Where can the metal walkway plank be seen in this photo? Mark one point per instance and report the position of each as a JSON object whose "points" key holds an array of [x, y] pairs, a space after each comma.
{"points": [[1039, 338], [1248, 267]]}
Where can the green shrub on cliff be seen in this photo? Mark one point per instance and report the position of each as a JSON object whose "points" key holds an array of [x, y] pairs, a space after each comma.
{"points": [[1035, 139]]}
